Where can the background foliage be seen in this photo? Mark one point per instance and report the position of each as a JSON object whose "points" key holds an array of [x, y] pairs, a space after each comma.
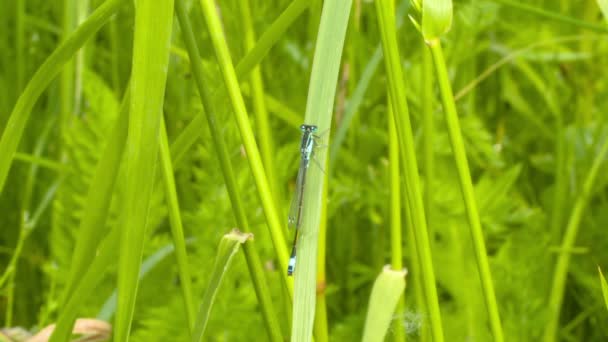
{"points": [[552, 88]]}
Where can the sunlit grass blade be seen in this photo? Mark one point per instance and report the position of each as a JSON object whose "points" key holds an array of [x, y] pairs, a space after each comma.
{"points": [[387, 290], [604, 286], [395, 208], [604, 8], [42, 78], [253, 259], [177, 229], [228, 247], [270, 37], [224, 60], [466, 187], [321, 325], [319, 112], [153, 25], [264, 136], [413, 196]]}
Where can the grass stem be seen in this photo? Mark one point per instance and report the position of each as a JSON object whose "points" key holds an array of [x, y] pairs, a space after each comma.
{"points": [[414, 200], [466, 187]]}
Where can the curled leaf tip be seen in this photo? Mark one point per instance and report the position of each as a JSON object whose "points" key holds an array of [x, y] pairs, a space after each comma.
{"points": [[236, 234]]}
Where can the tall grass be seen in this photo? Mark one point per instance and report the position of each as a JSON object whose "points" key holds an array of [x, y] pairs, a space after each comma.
{"points": [[122, 211]]}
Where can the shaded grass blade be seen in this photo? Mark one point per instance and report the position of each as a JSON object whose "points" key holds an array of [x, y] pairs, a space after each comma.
{"points": [[97, 204], [86, 285], [558, 285], [229, 246], [387, 290], [177, 229], [109, 307], [523, 6], [153, 24], [44, 75]]}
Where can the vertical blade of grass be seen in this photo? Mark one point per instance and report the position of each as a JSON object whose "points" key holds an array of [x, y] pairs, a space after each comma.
{"points": [[428, 126], [319, 110], [387, 290], [558, 285], [321, 330], [604, 286], [86, 285], [276, 30], [264, 133], [66, 102], [253, 259], [177, 229], [20, 44], [109, 306], [97, 203], [153, 21], [270, 37], [466, 187], [408, 159], [253, 155], [356, 99], [395, 214], [229, 246], [86, 262], [44, 75], [604, 8]]}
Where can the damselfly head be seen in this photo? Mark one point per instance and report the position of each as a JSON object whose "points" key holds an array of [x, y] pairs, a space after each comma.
{"points": [[308, 128]]}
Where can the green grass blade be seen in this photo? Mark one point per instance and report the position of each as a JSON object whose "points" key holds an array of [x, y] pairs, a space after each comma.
{"points": [[43, 162], [414, 198], [558, 285], [153, 24], [523, 6], [604, 286], [86, 285], [264, 136], [97, 204], [222, 55], [109, 307], [604, 8], [387, 290], [42, 78], [229, 246], [466, 187], [270, 37], [253, 259], [319, 110], [395, 208], [177, 229]]}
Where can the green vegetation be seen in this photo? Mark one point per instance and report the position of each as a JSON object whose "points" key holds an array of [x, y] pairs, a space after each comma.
{"points": [[458, 191]]}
